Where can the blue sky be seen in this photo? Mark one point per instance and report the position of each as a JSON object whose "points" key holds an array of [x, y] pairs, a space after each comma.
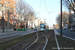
{"points": [[53, 6]]}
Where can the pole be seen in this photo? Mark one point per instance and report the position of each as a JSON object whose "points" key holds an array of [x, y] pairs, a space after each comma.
{"points": [[3, 20], [61, 19], [8, 22]]}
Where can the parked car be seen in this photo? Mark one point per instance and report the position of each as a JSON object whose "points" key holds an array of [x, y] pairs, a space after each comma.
{"points": [[35, 29], [72, 29]]}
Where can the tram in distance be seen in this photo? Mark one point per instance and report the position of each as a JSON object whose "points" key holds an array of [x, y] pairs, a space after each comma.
{"points": [[42, 26]]}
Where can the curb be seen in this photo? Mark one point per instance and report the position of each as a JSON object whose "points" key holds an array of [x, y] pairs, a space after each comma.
{"points": [[56, 40], [65, 36], [57, 43], [68, 37]]}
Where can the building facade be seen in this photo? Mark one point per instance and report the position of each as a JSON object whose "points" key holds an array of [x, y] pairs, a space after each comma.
{"points": [[8, 7]]}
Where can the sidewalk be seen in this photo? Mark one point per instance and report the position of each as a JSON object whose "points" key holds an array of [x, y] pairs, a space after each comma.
{"points": [[16, 33], [1, 33]]}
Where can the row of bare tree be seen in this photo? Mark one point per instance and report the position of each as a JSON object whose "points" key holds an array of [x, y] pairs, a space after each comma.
{"points": [[25, 9], [70, 5]]}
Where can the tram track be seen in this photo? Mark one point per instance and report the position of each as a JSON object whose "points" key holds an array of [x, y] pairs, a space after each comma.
{"points": [[36, 42], [40, 44]]}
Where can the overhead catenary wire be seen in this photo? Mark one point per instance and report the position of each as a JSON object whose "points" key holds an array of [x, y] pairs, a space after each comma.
{"points": [[46, 7], [40, 6]]}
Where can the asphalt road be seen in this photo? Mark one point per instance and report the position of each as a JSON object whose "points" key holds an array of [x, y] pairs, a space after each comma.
{"points": [[16, 33], [67, 33]]}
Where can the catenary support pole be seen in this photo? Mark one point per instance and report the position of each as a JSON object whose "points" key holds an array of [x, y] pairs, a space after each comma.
{"points": [[3, 20], [61, 18]]}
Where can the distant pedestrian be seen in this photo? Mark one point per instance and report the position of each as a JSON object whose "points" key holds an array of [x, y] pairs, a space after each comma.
{"points": [[66, 25]]}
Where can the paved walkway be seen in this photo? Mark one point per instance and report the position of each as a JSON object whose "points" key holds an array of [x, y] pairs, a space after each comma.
{"points": [[16, 33], [1, 33]]}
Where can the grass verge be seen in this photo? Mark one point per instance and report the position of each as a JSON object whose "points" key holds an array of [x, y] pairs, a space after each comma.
{"points": [[7, 44], [66, 44]]}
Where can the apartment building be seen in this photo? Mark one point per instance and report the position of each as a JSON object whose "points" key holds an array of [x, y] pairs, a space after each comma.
{"points": [[6, 5]]}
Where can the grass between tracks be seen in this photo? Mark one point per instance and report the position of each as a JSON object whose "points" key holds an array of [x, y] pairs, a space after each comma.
{"points": [[9, 43], [51, 41], [51, 44]]}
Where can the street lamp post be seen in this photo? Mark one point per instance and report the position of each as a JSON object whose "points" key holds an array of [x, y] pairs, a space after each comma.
{"points": [[2, 15], [3, 20], [61, 19]]}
